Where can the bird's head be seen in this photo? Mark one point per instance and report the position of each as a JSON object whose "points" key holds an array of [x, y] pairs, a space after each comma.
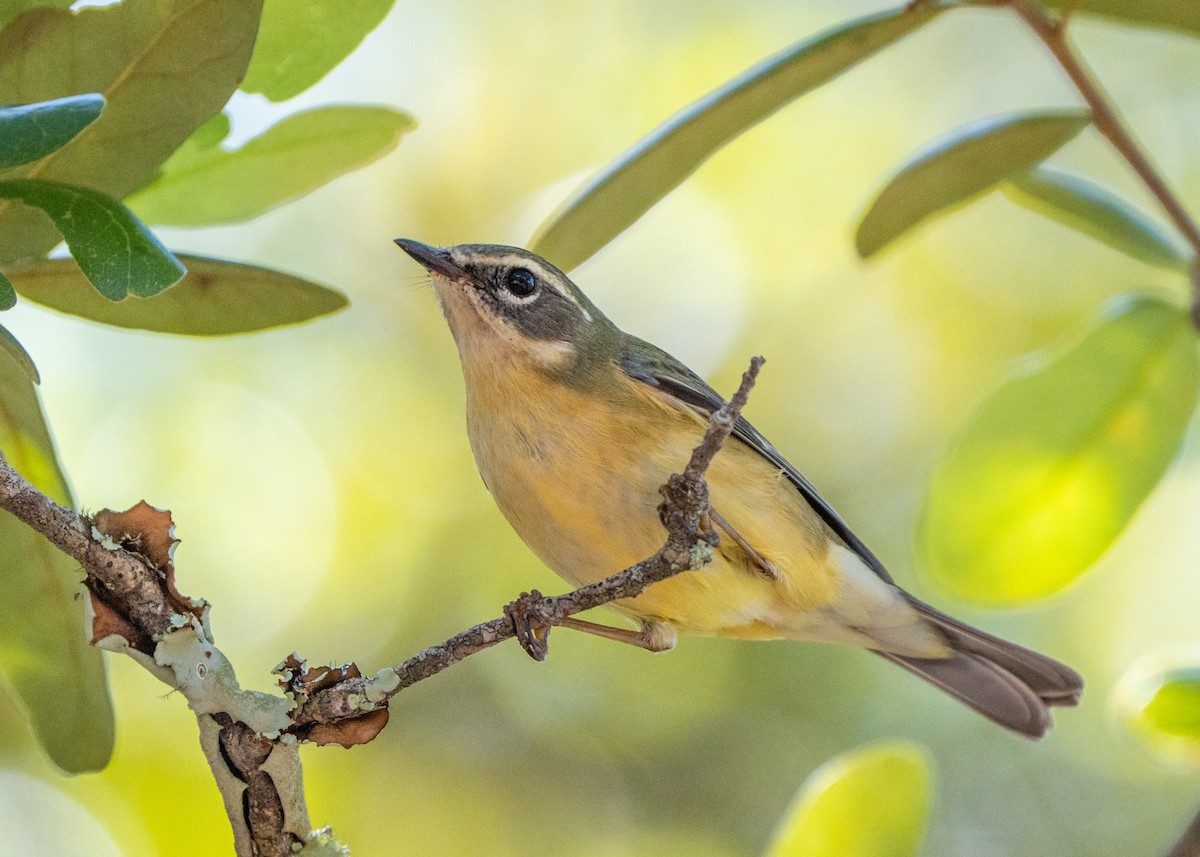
{"points": [[507, 305]]}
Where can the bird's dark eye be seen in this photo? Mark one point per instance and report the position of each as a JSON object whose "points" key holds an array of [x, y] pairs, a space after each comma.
{"points": [[521, 282]]}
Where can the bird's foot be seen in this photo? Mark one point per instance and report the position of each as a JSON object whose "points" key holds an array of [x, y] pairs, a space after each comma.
{"points": [[532, 633]]}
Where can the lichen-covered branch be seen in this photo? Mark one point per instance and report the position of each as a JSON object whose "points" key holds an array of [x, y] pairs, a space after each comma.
{"points": [[251, 739], [137, 611]]}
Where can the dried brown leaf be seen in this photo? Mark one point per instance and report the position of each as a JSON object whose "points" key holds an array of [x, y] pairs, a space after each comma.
{"points": [[360, 730], [141, 529]]}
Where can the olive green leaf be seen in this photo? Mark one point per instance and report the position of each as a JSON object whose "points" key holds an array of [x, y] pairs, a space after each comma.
{"points": [[164, 67], [32, 131], [114, 250], [302, 40], [200, 186], [961, 165], [1050, 470], [1182, 15], [628, 187], [215, 298], [8, 298], [871, 802], [10, 10], [17, 353], [44, 653], [1098, 212]]}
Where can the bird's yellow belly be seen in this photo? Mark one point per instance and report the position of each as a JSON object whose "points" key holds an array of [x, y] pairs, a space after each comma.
{"points": [[583, 495]]}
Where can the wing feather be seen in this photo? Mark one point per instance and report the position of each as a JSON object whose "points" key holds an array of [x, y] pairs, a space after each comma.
{"points": [[651, 365]]}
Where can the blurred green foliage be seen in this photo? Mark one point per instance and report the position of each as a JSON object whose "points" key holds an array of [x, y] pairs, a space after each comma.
{"points": [[328, 502], [1054, 465], [872, 802]]}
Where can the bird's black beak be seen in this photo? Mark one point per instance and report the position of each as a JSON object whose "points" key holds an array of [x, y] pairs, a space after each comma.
{"points": [[435, 259]]}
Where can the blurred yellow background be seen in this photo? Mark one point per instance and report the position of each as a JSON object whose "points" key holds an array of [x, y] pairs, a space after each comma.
{"points": [[327, 502]]}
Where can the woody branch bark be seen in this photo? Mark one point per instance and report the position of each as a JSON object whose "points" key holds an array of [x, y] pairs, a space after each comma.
{"points": [[251, 739]]}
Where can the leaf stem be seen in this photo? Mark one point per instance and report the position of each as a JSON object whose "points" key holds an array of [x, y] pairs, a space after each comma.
{"points": [[1104, 117]]}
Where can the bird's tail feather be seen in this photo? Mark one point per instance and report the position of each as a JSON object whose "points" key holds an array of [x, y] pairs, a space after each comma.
{"points": [[1006, 683]]}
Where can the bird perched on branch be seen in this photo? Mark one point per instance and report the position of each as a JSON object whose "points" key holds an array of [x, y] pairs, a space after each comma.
{"points": [[575, 425]]}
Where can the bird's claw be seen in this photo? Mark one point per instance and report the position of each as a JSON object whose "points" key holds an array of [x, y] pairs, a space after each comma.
{"points": [[532, 633]]}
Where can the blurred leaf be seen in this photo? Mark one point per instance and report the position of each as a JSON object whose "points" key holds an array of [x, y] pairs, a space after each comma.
{"points": [[1098, 212], [10, 10], [8, 298], [164, 66], [10, 346], [871, 802], [214, 298], [200, 186], [115, 251], [1175, 707], [210, 134], [1057, 461], [32, 131], [44, 653], [1183, 15], [1158, 701], [301, 41], [964, 163], [655, 165]]}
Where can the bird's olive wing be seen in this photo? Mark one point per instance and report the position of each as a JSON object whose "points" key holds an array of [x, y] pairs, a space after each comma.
{"points": [[651, 365]]}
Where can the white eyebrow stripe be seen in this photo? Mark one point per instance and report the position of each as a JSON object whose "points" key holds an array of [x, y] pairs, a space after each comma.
{"points": [[512, 260]]}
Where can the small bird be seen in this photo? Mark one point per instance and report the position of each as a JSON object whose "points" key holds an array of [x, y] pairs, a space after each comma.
{"points": [[575, 424]]}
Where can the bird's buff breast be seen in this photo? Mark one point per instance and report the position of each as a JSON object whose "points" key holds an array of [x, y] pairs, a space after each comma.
{"points": [[578, 478]]}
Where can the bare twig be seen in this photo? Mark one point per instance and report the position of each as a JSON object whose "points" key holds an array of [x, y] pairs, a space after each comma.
{"points": [[687, 546], [1104, 117]]}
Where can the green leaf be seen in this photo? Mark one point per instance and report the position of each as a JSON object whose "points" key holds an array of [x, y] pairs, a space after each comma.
{"points": [[164, 66], [32, 131], [1182, 15], [302, 40], [961, 165], [44, 654], [10, 10], [202, 186], [655, 165], [1051, 469], [215, 298], [872, 802], [1158, 701], [115, 251], [8, 298], [1098, 212], [10, 346], [1175, 707]]}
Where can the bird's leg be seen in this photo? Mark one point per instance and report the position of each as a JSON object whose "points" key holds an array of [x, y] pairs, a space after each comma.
{"points": [[762, 566], [532, 633], [653, 637]]}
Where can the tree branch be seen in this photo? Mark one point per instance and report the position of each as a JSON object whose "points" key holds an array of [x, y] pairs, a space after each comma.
{"points": [[1104, 117], [251, 739], [688, 546]]}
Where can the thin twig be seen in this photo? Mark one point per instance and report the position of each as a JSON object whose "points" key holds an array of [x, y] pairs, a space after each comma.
{"points": [[1104, 117], [685, 506]]}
